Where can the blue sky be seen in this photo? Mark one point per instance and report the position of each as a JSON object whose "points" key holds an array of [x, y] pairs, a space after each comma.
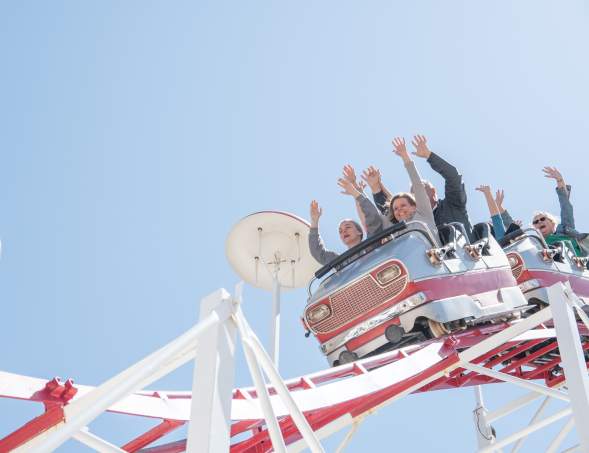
{"points": [[135, 134]]}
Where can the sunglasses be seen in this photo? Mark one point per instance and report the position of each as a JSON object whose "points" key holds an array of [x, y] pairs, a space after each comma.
{"points": [[538, 220]]}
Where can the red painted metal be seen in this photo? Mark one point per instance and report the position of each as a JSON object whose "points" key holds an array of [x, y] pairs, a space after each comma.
{"points": [[155, 433], [54, 396], [32, 429]]}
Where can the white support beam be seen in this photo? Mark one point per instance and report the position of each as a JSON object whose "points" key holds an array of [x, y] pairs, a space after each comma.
{"points": [[534, 419], [573, 359], [281, 388], [526, 431], [560, 437], [80, 412], [513, 406], [97, 443], [325, 431], [517, 381], [212, 385], [483, 429], [262, 391]]}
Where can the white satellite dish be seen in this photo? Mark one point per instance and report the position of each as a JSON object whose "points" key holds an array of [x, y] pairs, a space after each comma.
{"points": [[270, 250], [270, 244]]}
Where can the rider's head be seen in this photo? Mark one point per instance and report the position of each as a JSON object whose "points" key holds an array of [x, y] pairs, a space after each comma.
{"points": [[402, 207], [545, 223], [350, 232], [430, 190]]}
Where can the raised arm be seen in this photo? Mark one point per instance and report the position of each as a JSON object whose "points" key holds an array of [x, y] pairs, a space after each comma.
{"points": [[454, 191], [316, 246], [374, 222], [349, 174], [505, 216], [498, 225], [567, 217], [380, 194], [424, 207]]}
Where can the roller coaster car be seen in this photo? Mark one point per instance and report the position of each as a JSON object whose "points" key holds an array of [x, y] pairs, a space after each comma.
{"points": [[536, 266], [403, 286]]}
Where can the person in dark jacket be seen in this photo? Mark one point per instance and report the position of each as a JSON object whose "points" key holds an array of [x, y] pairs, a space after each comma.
{"points": [[451, 208]]}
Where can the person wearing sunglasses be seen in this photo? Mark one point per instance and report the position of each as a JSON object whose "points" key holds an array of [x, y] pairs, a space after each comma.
{"points": [[549, 227]]}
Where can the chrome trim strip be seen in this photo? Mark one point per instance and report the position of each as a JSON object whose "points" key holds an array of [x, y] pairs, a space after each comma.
{"points": [[386, 315]]}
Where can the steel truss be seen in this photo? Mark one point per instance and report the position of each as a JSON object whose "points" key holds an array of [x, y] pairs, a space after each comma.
{"points": [[533, 353]]}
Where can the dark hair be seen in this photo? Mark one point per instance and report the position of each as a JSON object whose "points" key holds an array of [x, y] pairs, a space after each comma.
{"points": [[408, 196]]}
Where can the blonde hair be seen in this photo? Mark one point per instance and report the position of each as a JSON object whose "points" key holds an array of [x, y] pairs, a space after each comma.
{"points": [[407, 196]]}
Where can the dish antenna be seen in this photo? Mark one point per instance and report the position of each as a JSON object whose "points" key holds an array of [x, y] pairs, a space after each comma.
{"points": [[269, 250]]}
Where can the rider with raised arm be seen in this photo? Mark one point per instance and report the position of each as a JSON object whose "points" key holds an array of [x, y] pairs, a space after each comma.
{"points": [[496, 218], [406, 206], [547, 224], [451, 208], [350, 231]]}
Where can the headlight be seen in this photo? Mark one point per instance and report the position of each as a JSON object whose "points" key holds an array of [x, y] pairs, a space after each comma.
{"points": [[318, 313], [388, 274], [514, 260]]}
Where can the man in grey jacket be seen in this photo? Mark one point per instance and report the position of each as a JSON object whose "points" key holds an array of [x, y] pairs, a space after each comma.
{"points": [[350, 231], [451, 208]]}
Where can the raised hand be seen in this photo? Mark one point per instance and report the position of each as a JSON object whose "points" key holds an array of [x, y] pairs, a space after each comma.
{"points": [[400, 149], [372, 177], [484, 188], [420, 144], [553, 173], [361, 186], [499, 196], [349, 173], [348, 187], [316, 212]]}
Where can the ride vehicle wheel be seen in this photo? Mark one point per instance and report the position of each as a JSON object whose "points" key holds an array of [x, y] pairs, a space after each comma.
{"points": [[347, 357], [437, 329]]}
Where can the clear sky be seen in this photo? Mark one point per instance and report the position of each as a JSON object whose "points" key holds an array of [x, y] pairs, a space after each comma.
{"points": [[135, 134]]}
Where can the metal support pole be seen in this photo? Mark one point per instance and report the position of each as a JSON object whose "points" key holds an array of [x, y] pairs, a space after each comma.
{"points": [[275, 347], [98, 444], [534, 419], [80, 412], [212, 385], [526, 431], [561, 436], [573, 359], [282, 390], [484, 431], [263, 397]]}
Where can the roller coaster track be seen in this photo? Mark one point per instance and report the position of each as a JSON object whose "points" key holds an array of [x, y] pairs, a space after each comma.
{"points": [[526, 353]]}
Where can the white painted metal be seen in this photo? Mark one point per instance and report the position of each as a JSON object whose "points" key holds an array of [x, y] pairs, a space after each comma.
{"points": [[263, 397], [323, 432], [526, 431], [535, 418], [209, 429], [282, 390], [275, 332], [560, 437], [346, 440], [573, 361], [517, 381], [80, 412], [482, 426], [261, 239], [97, 443], [512, 406]]}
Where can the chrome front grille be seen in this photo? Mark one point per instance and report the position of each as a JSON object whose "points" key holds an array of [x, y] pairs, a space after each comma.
{"points": [[356, 300]]}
